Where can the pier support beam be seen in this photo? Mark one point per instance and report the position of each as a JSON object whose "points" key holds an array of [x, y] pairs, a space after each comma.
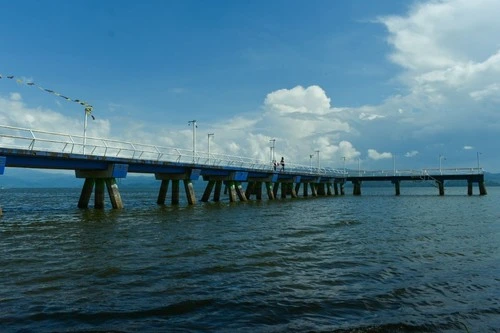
{"points": [[114, 194], [314, 192], [175, 191], [218, 189], [482, 188], [293, 193], [188, 187], [329, 189], [250, 189], [321, 189], [356, 189], [240, 192], [305, 190], [275, 189], [258, 190], [297, 188], [270, 192], [99, 194], [284, 190], [88, 186], [336, 188], [231, 189], [469, 187], [162, 194], [397, 187], [342, 190], [208, 191], [440, 184]]}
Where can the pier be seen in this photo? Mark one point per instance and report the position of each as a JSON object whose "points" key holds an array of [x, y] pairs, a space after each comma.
{"points": [[100, 162]]}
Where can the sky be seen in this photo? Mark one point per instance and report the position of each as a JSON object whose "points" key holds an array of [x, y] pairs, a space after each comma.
{"points": [[369, 84]]}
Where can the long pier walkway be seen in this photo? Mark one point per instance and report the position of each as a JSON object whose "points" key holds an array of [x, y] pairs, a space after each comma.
{"points": [[101, 161]]}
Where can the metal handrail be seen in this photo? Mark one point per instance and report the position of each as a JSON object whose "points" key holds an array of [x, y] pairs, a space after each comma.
{"points": [[16, 137]]}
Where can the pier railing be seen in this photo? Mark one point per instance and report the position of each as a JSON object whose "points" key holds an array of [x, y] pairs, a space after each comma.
{"points": [[37, 140]]}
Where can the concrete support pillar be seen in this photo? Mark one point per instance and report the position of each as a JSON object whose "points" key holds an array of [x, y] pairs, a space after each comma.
{"points": [[320, 188], [469, 187], [258, 190], [250, 190], [114, 194], [305, 190], [231, 189], [397, 187], [284, 190], [297, 188], [482, 188], [240, 192], [336, 188], [88, 186], [328, 188], [218, 189], [188, 187], [342, 190], [208, 191], [276, 186], [99, 194], [314, 192], [175, 191], [292, 190], [162, 194], [356, 188], [440, 185], [270, 192]]}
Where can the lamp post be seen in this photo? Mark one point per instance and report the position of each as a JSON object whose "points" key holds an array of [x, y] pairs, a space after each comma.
{"points": [[441, 157], [85, 130], [310, 162], [271, 150], [344, 164], [193, 122], [209, 135], [394, 163], [317, 152], [478, 153]]}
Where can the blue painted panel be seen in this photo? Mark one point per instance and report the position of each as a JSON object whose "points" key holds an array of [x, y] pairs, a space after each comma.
{"points": [[2, 164], [195, 174], [275, 178], [119, 171], [240, 176], [296, 179]]}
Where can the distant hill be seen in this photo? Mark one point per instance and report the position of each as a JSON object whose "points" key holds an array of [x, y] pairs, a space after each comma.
{"points": [[29, 178]]}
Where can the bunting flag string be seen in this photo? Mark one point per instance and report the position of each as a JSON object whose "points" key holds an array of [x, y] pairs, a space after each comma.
{"points": [[88, 107]]}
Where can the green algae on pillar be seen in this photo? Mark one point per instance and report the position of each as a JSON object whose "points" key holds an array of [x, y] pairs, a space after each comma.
{"points": [[269, 189], [239, 191]]}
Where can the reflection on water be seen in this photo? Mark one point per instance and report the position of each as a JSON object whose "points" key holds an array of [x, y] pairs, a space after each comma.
{"points": [[374, 263]]}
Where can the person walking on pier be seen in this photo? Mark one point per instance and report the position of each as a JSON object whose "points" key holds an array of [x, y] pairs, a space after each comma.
{"points": [[282, 162]]}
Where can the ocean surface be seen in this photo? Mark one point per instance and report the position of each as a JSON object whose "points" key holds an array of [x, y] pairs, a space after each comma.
{"points": [[374, 263]]}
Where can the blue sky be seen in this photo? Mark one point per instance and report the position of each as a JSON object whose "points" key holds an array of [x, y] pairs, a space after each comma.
{"points": [[371, 81]]}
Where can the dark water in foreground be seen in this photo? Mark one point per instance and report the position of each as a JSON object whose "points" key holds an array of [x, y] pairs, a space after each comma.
{"points": [[375, 263]]}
